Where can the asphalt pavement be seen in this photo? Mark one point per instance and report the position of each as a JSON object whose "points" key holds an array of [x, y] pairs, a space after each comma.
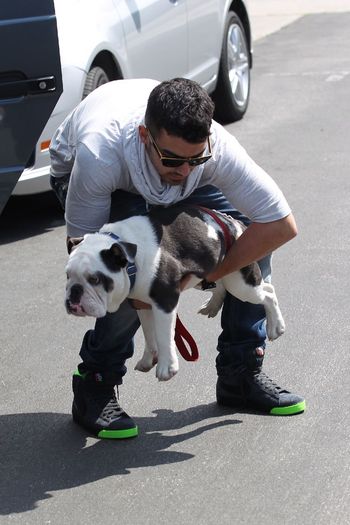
{"points": [[193, 461]]}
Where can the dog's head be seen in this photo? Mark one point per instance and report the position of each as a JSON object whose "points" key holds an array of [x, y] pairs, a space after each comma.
{"points": [[97, 278]]}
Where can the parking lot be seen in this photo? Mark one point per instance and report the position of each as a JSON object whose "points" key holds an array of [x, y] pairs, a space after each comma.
{"points": [[193, 461]]}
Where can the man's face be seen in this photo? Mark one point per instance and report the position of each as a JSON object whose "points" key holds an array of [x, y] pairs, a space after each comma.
{"points": [[171, 146]]}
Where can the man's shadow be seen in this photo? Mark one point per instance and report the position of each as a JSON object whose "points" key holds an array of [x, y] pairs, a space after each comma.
{"points": [[44, 452]]}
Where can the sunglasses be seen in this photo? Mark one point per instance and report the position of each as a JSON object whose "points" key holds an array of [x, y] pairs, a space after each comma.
{"points": [[175, 161]]}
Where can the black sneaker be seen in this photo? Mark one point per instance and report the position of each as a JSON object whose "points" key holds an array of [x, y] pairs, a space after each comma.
{"points": [[255, 390], [96, 408]]}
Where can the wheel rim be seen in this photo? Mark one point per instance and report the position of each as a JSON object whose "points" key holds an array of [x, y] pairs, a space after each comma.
{"points": [[238, 64]]}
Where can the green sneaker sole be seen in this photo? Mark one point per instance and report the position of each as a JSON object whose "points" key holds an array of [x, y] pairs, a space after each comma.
{"points": [[118, 434], [290, 410]]}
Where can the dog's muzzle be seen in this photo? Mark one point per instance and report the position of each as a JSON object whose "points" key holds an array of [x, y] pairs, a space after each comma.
{"points": [[75, 309], [73, 305]]}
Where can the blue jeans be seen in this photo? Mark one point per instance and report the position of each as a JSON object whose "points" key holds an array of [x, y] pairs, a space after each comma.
{"points": [[107, 347]]}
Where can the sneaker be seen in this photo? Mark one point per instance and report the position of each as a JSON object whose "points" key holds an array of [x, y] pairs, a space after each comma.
{"points": [[96, 408], [255, 390]]}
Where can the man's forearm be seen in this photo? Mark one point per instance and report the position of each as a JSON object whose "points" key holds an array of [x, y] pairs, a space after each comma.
{"points": [[258, 240]]}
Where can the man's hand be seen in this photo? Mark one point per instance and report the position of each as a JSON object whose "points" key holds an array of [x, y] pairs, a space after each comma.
{"points": [[72, 242]]}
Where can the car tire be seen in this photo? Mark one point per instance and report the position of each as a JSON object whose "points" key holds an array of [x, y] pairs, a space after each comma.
{"points": [[231, 95], [95, 78]]}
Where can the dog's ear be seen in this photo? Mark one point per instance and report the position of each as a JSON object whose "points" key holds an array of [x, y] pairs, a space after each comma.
{"points": [[117, 256], [72, 242], [130, 250]]}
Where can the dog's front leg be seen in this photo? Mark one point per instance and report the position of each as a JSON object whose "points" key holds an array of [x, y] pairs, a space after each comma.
{"points": [[150, 353], [164, 326], [212, 306]]}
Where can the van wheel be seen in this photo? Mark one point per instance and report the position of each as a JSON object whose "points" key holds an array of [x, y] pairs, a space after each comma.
{"points": [[231, 95], [95, 78]]}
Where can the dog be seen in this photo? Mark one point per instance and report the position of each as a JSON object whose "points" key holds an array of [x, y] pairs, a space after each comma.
{"points": [[145, 257]]}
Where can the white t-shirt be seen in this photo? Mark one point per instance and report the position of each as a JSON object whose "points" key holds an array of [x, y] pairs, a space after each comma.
{"points": [[100, 145]]}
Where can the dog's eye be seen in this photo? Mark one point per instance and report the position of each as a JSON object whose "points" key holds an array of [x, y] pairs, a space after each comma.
{"points": [[94, 280]]}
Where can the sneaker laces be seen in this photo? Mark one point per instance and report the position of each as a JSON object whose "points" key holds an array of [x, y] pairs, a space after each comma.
{"points": [[104, 398], [266, 383]]}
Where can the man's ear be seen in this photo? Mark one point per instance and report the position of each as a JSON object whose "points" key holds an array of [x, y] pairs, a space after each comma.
{"points": [[72, 242], [143, 134]]}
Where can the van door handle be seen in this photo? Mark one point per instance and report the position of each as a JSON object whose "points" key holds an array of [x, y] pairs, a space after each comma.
{"points": [[25, 87]]}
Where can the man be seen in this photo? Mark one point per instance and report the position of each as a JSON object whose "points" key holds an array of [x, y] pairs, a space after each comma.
{"points": [[154, 144]]}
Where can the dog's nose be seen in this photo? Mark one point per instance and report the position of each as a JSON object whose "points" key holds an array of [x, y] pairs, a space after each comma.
{"points": [[75, 294]]}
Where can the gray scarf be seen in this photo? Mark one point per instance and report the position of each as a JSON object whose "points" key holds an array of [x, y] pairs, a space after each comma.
{"points": [[145, 177]]}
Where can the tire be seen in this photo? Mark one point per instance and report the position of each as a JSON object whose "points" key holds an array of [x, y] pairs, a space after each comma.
{"points": [[231, 95], [95, 78]]}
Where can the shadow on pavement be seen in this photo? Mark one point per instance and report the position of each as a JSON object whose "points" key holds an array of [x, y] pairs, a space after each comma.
{"points": [[45, 452], [28, 216]]}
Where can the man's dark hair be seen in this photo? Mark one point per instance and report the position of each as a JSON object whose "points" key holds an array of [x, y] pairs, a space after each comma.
{"points": [[181, 107]]}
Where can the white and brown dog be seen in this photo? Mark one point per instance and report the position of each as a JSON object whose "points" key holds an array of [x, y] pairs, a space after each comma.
{"points": [[145, 258]]}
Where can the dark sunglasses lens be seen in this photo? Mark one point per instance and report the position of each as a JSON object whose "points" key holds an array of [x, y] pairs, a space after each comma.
{"points": [[172, 163], [197, 162], [175, 163]]}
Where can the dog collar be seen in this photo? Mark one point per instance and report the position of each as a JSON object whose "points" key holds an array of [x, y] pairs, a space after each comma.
{"points": [[131, 268]]}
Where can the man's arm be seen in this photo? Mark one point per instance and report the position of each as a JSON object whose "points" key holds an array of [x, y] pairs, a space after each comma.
{"points": [[89, 194], [258, 240]]}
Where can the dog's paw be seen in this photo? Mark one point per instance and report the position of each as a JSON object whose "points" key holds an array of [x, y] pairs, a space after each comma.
{"points": [[275, 329], [210, 308], [147, 361], [166, 370]]}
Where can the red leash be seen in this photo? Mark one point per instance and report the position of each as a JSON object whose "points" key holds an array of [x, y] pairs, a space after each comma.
{"points": [[182, 335]]}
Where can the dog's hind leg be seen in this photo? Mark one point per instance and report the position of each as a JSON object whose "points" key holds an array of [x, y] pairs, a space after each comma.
{"points": [[275, 325], [262, 293], [150, 353]]}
